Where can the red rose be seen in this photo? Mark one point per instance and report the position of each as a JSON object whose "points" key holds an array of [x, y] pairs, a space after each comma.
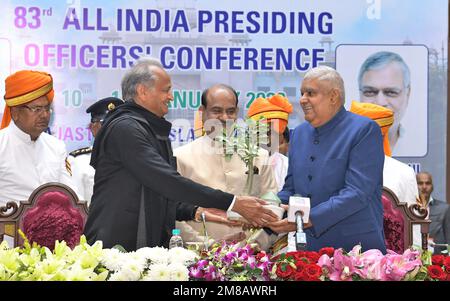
{"points": [[437, 260], [301, 276], [313, 271], [436, 272], [313, 257], [284, 271], [298, 256], [448, 277], [328, 251], [447, 264], [300, 265]]}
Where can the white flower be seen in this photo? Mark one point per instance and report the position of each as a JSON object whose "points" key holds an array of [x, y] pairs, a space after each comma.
{"points": [[157, 272], [178, 272], [132, 268], [112, 259], [139, 257], [155, 255], [180, 255]]}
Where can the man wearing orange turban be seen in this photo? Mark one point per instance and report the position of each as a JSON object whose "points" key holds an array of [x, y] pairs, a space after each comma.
{"points": [[275, 110], [397, 176], [29, 157]]}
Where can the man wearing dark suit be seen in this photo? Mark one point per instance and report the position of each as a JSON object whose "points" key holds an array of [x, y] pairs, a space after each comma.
{"points": [[138, 194], [439, 212]]}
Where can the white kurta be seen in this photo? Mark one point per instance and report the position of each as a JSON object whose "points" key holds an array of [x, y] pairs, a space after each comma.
{"points": [[280, 164], [83, 175], [27, 164], [205, 163], [401, 179]]}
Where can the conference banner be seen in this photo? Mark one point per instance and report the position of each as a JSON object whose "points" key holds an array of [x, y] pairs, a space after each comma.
{"points": [[258, 47]]}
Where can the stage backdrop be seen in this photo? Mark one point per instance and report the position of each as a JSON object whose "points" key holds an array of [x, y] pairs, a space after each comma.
{"points": [[258, 47]]}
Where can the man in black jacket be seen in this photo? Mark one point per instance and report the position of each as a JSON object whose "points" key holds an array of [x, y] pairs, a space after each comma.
{"points": [[138, 194]]}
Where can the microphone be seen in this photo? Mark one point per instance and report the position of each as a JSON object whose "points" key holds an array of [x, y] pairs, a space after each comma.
{"points": [[300, 236]]}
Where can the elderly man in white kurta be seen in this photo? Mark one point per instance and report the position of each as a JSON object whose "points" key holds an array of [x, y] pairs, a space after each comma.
{"points": [[29, 156], [203, 161]]}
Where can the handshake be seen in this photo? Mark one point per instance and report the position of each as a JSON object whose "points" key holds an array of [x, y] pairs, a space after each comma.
{"points": [[257, 213]]}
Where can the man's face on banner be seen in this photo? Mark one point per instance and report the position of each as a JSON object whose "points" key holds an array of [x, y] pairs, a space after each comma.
{"points": [[385, 87]]}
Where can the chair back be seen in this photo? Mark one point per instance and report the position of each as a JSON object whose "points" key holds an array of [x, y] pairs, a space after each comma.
{"points": [[52, 212], [399, 219]]}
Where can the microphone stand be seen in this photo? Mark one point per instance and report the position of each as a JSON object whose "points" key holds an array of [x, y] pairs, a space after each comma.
{"points": [[203, 216], [300, 236]]}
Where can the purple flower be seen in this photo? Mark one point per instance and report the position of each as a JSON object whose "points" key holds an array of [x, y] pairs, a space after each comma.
{"points": [[201, 263], [195, 272], [210, 273], [229, 257], [244, 257], [251, 262]]}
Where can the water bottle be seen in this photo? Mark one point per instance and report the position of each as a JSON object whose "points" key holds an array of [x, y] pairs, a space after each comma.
{"points": [[175, 240]]}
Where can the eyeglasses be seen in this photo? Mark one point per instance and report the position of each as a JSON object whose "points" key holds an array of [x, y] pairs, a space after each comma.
{"points": [[39, 109]]}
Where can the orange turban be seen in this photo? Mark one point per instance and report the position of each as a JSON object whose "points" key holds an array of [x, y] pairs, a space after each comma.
{"points": [[275, 107], [25, 86], [381, 115]]}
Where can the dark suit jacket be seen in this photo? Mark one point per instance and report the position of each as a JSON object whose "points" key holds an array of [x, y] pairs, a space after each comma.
{"points": [[440, 223], [137, 153]]}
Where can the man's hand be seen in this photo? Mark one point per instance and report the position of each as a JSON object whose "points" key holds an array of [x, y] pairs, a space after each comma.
{"points": [[282, 226], [235, 237], [217, 216], [251, 208]]}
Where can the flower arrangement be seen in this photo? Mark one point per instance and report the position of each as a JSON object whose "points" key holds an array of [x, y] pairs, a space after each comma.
{"points": [[153, 264], [440, 268], [298, 266], [372, 265], [92, 263], [33, 262], [223, 262]]}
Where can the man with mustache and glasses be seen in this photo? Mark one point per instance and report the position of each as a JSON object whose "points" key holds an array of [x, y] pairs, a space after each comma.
{"points": [[384, 79], [335, 159], [203, 161], [138, 194], [29, 156]]}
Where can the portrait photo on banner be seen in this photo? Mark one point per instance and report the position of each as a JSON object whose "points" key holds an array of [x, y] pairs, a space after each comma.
{"points": [[396, 77]]}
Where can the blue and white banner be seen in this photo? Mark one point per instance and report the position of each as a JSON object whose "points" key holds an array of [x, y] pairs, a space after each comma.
{"points": [[258, 47]]}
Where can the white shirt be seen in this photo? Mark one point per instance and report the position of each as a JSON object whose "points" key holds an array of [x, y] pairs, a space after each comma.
{"points": [[280, 164], [401, 179], [83, 175], [27, 164]]}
